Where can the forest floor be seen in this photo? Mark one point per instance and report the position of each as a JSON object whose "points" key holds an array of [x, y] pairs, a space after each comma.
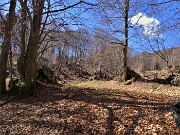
{"points": [[93, 108]]}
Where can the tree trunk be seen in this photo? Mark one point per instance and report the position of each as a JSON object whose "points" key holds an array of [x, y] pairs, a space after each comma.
{"points": [[32, 49], [31, 65], [20, 63], [125, 46], [6, 46], [167, 64]]}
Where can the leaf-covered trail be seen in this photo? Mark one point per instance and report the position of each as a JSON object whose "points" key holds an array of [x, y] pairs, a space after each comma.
{"points": [[76, 111]]}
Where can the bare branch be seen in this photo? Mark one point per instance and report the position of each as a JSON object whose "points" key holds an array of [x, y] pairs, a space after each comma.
{"points": [[71, 6]]}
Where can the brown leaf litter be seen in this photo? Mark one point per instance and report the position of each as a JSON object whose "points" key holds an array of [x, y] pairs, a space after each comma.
{"points": [[72, 110]]}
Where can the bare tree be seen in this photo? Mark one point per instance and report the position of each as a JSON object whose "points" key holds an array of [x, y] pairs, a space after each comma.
{"points": [[37, 36], [116, 14], [162, 50], [6, 45], [125, 45], [23, 45]]}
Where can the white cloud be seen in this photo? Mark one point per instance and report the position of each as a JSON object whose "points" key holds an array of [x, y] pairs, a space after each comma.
{"points": [[150, 24]]}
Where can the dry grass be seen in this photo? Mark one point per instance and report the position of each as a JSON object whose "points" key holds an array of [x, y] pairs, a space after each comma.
{"points": [[152, 89]]}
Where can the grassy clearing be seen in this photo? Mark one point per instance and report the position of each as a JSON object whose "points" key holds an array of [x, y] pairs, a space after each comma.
{"points": [[152, 89]]}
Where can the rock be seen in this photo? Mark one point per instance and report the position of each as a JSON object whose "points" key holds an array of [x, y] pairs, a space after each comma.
{"points": [[47, 75], [91, 78], [132, 74], [103, 75], [176, 110], [169, 79], [176, 81]]}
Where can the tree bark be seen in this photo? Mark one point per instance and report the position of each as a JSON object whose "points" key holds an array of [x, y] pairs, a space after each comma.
{"points": [[6, 46], [32, 49], [125, 46], [20, 63]]}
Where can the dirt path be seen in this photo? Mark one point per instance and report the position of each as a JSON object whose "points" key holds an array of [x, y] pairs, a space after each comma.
{"points": [[76, 111]]}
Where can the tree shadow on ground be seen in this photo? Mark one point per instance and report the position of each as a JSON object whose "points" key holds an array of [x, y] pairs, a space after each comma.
{"points": [[75, 110]]}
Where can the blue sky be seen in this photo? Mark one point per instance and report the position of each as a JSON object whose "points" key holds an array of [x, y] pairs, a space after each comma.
{"points": [[146, 22], [166, 17]]}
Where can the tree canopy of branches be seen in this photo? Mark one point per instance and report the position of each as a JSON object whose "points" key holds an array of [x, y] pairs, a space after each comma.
{"points": [[53, 33], [35, 18]]}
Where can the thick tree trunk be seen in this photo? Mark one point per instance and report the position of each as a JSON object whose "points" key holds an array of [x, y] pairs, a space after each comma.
{"points": [[31, 65], [6, 46], [32, 49], [20, 63], [125, 46]]}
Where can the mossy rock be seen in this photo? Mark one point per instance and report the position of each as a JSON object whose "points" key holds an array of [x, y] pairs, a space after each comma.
{"points": [[46, 75], [16, 87]]}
